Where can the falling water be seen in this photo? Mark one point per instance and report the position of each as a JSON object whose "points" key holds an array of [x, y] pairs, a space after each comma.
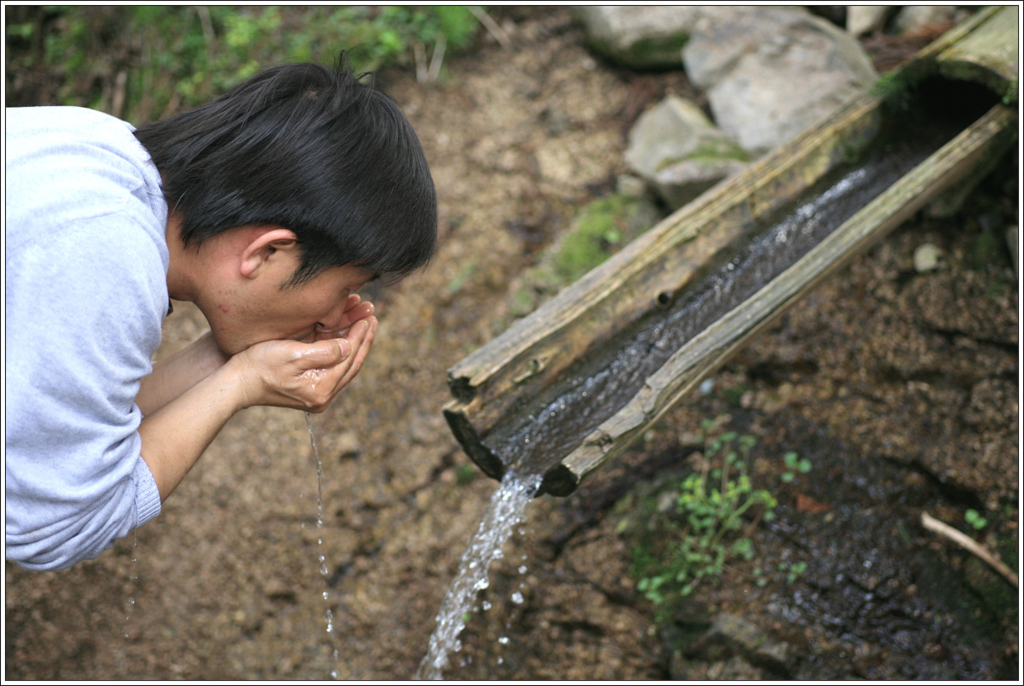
{"points": [[321, 557], [506, 509], [133, 578]]}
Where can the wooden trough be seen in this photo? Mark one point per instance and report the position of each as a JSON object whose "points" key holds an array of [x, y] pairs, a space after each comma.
{"points": [[530, 384]]}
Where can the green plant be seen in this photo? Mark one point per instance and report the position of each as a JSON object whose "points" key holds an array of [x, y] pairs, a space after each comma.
{"points": [[465, 473], [793, 570], [150, 61], [708, 529], [794, 464], [974, 518]]}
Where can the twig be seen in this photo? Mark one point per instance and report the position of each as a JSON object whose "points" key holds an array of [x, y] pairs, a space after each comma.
{"points": [[207, 24], [965, 541], [120, 87], [491, 26], [437, 58], [419, 57]]}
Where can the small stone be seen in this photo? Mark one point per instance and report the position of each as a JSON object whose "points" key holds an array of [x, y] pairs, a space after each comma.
{"points": [[862, 19], [344, 444], [916, 18], [630, 186], [773, 655], [926, 258]]}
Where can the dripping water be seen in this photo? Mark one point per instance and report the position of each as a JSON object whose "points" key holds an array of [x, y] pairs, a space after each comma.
{"points": [[321, 556], [133, 578]]}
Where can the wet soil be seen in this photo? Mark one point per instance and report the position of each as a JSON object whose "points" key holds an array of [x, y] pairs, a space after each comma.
{"points": [[900, 387]]}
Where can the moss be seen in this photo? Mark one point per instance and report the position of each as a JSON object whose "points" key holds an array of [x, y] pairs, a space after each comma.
{"points": [[601, 226], [600, 229], [647, 53], [711, 150]]}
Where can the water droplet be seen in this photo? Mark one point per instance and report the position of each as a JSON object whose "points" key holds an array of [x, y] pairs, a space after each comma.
{"points": [[485, 605], [503, 640], [517, 598], [522, 569]]}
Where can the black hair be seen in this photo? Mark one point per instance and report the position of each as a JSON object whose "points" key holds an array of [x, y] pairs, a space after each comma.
{"points": [[308, 148]]}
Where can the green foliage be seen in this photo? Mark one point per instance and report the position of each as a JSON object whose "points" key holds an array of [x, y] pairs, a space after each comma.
{"points": [[974, 518], [465, 473], [793, 570], [794, 464], [177, 57], [707, 527]]}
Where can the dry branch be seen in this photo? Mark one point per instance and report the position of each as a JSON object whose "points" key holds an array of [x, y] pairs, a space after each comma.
{"points": [[969, 544]]}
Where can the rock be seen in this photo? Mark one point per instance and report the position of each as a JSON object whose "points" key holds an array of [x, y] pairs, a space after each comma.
{"points": [[926, 258], [640, 37], [730, 639], [683, 182], [679, 152], [630, 186], [742, 636], [915, 18], [734, 669], [775, 656], [864, 19], [772, 72], [345, 445]]}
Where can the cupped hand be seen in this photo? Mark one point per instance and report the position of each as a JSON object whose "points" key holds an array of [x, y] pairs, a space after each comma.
{"points": [[355, 310], [307, 375]]}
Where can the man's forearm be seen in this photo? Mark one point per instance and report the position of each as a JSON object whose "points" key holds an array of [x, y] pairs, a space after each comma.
{"points": [[176, 374], [175, 435]]}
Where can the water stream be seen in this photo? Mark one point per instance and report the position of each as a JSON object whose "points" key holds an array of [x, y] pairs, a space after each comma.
{"points": [[506, 509], [321, 556]]}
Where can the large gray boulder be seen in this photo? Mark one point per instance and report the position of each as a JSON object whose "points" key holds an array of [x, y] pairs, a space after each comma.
{"points": [[641, 37], [772, 72], [914, 18], [864, 19], [676, 149]]}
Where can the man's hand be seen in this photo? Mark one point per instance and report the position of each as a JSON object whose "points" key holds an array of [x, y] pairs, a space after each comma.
{"points": [[304, 376]]}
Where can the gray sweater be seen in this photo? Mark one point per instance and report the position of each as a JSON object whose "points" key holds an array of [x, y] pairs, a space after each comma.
{"points": [[86, 291]]}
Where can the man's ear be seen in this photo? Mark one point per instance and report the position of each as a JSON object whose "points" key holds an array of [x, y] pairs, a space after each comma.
{"points": [[264, 242]]}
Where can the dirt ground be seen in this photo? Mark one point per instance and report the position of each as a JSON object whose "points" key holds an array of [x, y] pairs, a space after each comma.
{"points": [[900, 387]]}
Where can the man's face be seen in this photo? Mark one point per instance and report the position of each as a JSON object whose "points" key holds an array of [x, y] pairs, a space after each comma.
{"points": [[273, 310]]}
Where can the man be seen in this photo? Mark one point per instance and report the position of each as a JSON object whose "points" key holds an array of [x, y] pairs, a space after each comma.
{"points": [[267, 208]]}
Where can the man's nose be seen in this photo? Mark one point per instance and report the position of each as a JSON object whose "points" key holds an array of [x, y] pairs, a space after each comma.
{"points": [[333, 321]]}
